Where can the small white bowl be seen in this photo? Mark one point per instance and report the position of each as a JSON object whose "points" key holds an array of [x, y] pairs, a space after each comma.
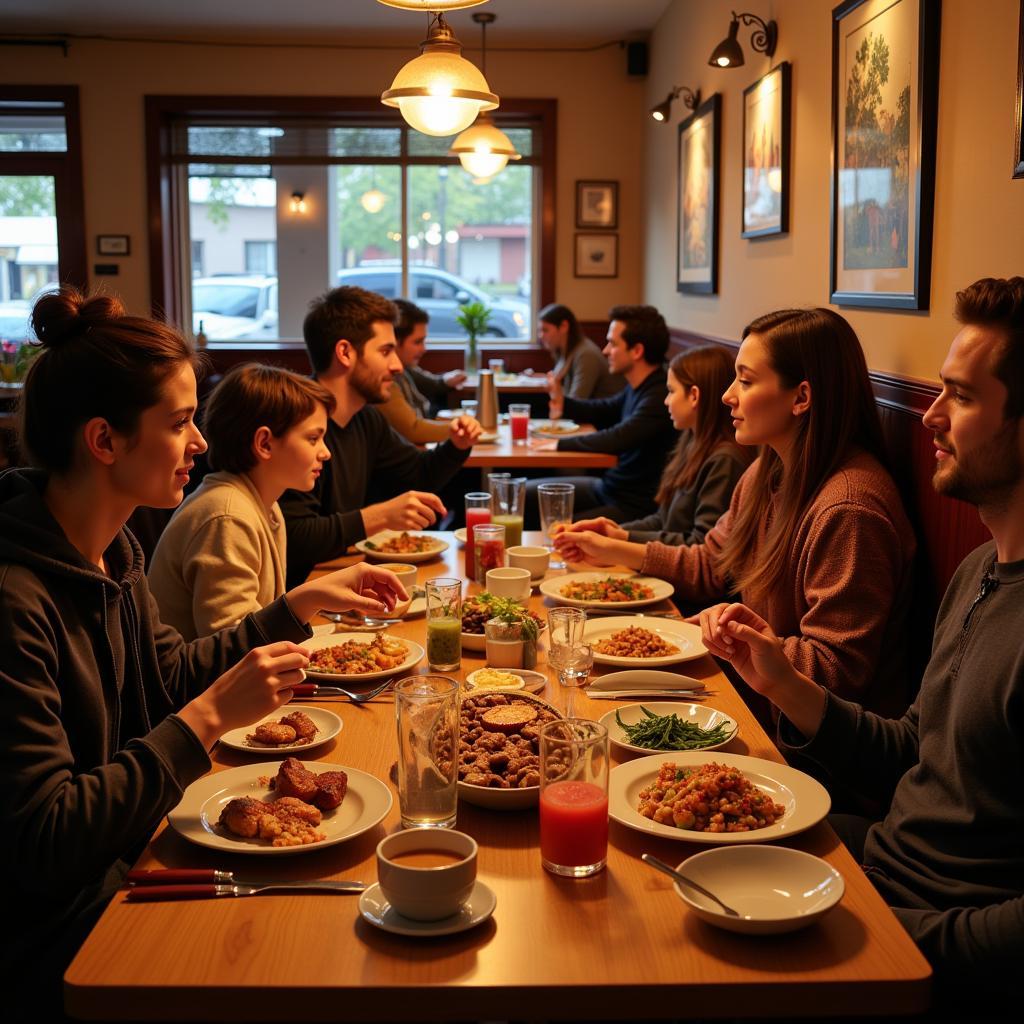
{"points": [[774, 889]]}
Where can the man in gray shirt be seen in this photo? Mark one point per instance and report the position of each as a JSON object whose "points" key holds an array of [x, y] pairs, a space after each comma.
{"points": [[949, 855]]}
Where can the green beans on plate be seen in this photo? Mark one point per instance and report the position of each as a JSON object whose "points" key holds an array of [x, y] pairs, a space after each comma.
{"points": [[670, 732]]}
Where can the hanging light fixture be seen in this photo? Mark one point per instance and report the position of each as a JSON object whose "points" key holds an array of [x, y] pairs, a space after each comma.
{"points": [[373, 200], [430, 5], [483, 149], [729, 54], [440, 92]]}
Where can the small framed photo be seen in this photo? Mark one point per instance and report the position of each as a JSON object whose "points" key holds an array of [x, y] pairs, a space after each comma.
{"points": [[597, 255], [113, 245], [766, 154], [597, 204]]}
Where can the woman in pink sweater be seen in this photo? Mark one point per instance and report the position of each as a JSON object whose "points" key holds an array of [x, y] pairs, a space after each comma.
{"points": [[815, 538]]}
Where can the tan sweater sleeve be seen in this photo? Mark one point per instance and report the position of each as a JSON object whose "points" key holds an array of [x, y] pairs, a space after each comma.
{"points": [[220, 567], [850, 571], [404, 419]]}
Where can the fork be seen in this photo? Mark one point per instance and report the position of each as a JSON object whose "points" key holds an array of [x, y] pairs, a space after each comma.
{"points": [[313, 690]]}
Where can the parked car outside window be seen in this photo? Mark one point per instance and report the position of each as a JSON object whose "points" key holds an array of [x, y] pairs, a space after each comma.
{"points": [[235, 306]]}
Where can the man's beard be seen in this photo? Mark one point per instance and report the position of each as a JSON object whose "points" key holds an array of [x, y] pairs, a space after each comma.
{"points": [[369, 389], [988, 476]]}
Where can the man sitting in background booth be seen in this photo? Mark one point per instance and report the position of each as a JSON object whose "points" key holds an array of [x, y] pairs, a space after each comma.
{"points": [[375, 479], [417, 393]]}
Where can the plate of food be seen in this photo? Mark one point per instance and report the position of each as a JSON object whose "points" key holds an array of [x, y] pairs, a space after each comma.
{"points": [[478, 609], [411, 547], [460, 536], [554, 428], [278, 808], [286, 731], [634, 641], [507, 779], [606, 590], [505, 680], [355, 656], [488, 437], [668, 794], [648, 727]]}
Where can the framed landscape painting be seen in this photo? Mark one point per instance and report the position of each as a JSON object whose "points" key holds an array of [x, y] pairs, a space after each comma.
{"points": [[766, 154], [885, 57], [698, 191]]}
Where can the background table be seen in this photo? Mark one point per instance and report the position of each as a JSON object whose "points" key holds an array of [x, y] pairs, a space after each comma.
{"points": [[503, 454], [619, 945]]}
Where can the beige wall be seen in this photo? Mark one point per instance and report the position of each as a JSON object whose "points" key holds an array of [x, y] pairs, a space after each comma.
{"points": [[600, 122], [979, 209]]}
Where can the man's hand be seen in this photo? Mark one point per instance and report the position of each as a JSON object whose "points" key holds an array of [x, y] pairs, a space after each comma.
{"points": [[361, 587], [556, 397], [543, 444], [414, 510], [464, 432], [454, 378]]}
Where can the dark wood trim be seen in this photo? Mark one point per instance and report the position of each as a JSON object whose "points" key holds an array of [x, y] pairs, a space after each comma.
{"points": [[1018, 110]]}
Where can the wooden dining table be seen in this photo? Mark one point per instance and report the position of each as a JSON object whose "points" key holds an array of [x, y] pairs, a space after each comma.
{"points": [[503, 453], [620, 944]]}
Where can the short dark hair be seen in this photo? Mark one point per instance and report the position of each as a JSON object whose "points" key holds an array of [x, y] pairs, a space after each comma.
{"points": [[347, 313], [645, 326], [998, 303], [409, 315], [252, 396], [95, 361]]}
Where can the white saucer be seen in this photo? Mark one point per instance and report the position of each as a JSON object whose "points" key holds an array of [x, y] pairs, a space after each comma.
{"points": [[380, 913]]}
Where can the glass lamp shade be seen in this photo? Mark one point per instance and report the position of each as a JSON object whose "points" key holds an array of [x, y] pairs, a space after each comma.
{"points": [[373, 200], [440, 92], [483, 149], [431, 5]]}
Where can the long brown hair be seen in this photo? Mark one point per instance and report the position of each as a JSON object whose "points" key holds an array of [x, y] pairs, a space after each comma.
{"points": [[709, 368], [820, 347]]}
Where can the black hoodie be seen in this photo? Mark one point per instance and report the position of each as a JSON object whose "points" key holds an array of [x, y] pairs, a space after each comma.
{"points": [[92, 755]]}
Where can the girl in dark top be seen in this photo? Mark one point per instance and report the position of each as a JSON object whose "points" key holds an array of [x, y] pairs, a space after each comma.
{"points": [[700, 475], [107, 714]]}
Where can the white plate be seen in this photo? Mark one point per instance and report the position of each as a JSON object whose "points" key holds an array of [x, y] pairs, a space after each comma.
{"points": [[381, 914], [460, 536], [367, 802], [327, 722], [553, 588], [645, 680], [684, 635], [488, 437], [318, 642], [696, 714], [542, 428], [415, 558], [535, 681], [806, 800], [774, 889]]}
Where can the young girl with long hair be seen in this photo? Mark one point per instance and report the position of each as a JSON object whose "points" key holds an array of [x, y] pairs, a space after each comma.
{"points": [[702, 472], [108, 714], [815, 539], [580, 367], [224, 552]]}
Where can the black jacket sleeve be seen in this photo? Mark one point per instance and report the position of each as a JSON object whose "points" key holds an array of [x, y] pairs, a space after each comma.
{"points": [[621, 433], [601, 412]]}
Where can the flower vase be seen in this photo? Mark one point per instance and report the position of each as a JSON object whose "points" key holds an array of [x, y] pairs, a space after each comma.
{"points": [[472, 356]]}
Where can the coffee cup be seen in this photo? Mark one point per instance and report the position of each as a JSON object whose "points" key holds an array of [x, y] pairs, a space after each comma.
{"points": [[427, 874], [510, 581], [407, 577], [533, 559]]}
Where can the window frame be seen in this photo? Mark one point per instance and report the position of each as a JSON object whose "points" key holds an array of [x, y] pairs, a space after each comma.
{"points": [[167, 183]]}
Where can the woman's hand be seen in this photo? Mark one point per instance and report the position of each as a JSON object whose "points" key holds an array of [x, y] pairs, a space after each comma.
{"points": [[596, 549], [251, 689], [602, 525], [363, 587], [556, 397]]}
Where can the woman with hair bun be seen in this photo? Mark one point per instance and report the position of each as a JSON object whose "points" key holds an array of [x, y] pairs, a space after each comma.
{"points": [[107, 713], [224, 552], [815, 539]]}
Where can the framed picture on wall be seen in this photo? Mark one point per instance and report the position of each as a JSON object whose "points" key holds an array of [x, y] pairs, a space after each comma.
{"points": [[1018, 110], [885, 83], [766, 154], [697, 197], [597, 204], [597, 255]]}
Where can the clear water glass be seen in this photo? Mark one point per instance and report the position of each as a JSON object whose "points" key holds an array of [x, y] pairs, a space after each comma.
{"points": [[555, 502], [576, 664]]}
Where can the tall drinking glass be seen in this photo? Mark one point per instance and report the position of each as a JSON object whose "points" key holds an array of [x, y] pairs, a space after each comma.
{"points": [[427, 716], [574, 672], [478, 512], [489, 549], [573, 797], [508, 499], [565, 631], [555, 502], [444, 623], [519, 424]]}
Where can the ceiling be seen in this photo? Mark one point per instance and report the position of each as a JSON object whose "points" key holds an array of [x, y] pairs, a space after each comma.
{"points": [[520, 22]]}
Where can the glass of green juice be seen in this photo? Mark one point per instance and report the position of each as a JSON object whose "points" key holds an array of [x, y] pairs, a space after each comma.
{"points": [[444, 623], [508, 499]]}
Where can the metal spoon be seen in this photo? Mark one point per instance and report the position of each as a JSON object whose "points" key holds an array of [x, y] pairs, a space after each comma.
{"points": [[660, 865]]}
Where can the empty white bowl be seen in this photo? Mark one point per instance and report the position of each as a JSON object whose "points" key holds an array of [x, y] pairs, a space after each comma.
{"points": [[774, 889]]}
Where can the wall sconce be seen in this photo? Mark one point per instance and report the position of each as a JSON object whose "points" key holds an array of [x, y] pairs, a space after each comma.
{"points": [[691, 100], [729, 54], [297, 204]]}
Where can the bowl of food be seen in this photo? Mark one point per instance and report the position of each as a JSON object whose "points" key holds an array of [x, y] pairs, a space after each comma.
{"points": [[499, 748], [401, 546], [476, 611], [773, 889]]}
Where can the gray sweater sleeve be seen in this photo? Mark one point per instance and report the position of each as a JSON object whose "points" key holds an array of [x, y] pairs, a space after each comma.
{"points": [[585, 373]]}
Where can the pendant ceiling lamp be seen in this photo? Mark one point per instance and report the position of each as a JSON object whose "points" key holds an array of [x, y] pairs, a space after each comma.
{"points": [[483, 149], [431, 5], [440, 92], [373, 200]]}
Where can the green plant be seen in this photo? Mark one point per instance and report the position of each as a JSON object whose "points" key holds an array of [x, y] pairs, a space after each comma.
{"points": [[507, 610], [474, 318]]}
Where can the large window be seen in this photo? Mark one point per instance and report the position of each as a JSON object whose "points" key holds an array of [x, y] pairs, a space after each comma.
{"points": [[282, 205]]}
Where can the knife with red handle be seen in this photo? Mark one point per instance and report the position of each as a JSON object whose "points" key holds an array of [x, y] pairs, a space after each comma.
{"points": [[180, 876]]}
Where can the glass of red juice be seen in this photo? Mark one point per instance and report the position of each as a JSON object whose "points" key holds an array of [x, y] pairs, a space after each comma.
{"points": [[519, 423], [478, 512], [574, 797], [489, 549]]}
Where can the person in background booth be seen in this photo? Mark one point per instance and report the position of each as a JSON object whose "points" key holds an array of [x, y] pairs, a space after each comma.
{"points": [[581, 371]]}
